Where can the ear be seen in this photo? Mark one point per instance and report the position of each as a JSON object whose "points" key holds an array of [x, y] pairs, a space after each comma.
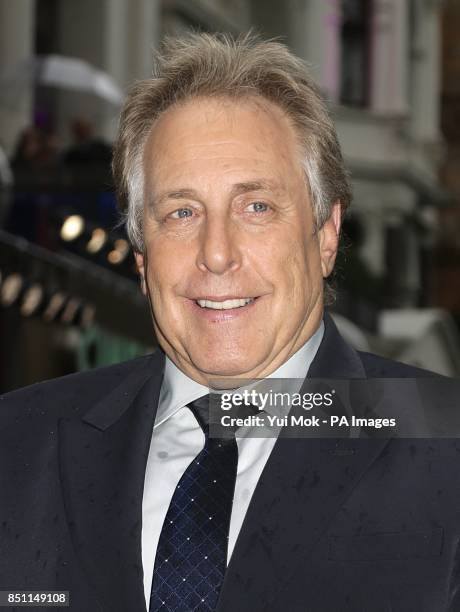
{"points": [[329, 236], [141, 265]]}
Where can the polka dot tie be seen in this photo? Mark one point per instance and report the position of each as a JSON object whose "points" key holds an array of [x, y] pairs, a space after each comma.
{"points": [[191, 556]]}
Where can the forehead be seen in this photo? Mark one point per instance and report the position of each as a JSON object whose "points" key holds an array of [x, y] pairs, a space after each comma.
{"points": [[226, 134]]}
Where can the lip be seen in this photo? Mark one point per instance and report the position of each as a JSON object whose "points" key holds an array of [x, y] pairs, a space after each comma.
{"points": [[222, 298], [218, 316]]}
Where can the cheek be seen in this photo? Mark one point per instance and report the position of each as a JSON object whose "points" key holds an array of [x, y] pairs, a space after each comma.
{"points": [[165, 264], [302, 270], [169, 267], [159, 283]]}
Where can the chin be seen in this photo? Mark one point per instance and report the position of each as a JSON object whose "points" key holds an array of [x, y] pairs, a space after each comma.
{"points": [[225, 365]]}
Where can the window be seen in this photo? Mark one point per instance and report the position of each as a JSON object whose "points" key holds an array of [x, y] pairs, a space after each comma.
{"points": [[355, 41]]}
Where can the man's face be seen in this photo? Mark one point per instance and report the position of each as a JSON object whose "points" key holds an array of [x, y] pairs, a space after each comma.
{"points": [[228, 220]]}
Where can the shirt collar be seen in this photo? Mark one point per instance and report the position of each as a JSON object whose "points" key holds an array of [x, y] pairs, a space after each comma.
{"points": [[178, 389]]}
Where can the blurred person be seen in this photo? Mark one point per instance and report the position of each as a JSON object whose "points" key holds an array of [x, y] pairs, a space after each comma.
{"points": [[35, 168], [233, 188], [86, 148], [28, 148], [87, 170], [36, 150]]}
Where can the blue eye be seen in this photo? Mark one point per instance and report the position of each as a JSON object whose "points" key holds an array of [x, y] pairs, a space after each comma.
{"points": [[259, 206], [182, 213]]}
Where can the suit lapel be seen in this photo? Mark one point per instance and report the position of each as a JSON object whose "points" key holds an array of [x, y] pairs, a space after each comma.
{"points": [[302, 487], [102, 466]]}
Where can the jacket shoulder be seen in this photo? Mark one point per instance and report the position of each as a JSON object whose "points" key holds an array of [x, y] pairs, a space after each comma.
{"points": [[381, 367], [68, 395]]}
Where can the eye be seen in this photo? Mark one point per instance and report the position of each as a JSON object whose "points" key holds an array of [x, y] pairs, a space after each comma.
{"points": [[181, 213], [259, 207]]}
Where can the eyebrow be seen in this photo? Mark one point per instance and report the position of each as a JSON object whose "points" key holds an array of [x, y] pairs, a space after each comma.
{"points": [[237, 189]]}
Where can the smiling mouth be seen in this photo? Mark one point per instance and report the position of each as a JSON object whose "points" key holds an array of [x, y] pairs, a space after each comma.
{"points": [[225, 304]]}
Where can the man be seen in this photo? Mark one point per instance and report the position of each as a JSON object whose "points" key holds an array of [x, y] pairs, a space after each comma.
{"points": [[233, 188]]}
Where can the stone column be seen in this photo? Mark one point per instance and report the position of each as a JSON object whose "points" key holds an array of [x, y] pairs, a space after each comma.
{"points": [[17, 21], [141, 37], [315, 32], [131, 35], [390, 55], [426, 70]]}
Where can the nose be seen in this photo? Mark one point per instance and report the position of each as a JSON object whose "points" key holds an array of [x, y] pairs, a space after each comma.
{"points": [[218, 250]]}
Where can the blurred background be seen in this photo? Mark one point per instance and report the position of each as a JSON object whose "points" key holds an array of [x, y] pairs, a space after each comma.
{"points": [[390, 69]]}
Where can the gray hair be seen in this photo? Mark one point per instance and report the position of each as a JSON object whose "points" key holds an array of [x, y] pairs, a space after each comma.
{"points": [[216, 65]]}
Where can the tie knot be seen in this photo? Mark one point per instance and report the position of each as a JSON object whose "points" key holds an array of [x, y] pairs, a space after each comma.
{"points": [[208, 411], [201, 411]]}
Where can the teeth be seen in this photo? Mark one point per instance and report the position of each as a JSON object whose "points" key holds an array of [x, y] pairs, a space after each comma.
{"points": [[225, 305]]}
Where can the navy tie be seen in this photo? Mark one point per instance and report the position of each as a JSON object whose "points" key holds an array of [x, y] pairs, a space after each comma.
{"points": [[191, 555]]}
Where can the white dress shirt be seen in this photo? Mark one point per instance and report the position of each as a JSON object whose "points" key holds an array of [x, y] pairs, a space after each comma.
{"points": [[177, 439]]}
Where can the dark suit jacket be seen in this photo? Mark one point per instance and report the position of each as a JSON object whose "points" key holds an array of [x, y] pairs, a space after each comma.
{"points": [[334, 525]]}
